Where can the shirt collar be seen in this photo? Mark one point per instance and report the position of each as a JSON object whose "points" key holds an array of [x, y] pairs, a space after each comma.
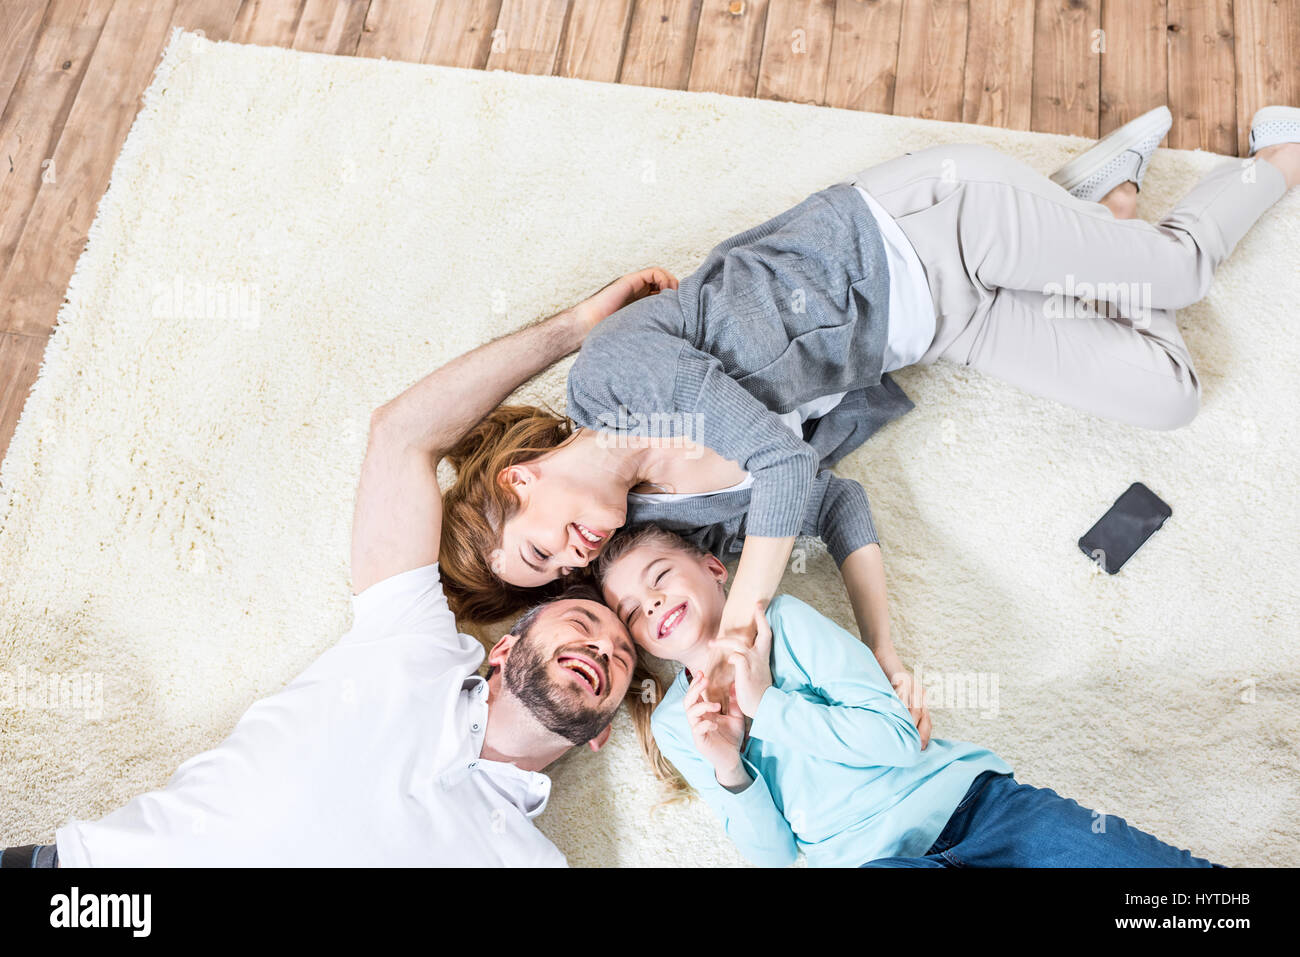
{"points": [[529, 791]]}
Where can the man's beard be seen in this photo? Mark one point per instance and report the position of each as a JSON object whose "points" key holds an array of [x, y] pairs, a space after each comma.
{"points": [[526, 676]]}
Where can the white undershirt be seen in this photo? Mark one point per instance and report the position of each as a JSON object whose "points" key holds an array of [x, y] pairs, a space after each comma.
{"points": [[645, 498], [370, 757], [911, 328], [911, 307]]}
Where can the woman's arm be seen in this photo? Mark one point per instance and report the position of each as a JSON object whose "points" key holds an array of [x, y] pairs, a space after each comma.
{"points": [[864, 579], [397, 520], [758, 575]]}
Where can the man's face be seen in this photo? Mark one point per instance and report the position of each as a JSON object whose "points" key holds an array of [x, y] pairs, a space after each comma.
{"points": [[572, 668]]}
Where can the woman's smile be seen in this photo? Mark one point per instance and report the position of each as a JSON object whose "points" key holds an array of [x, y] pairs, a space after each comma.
{"points": [[589, 535]]}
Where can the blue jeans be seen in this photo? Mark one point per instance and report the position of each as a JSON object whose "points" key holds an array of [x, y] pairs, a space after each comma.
{"points": [[1001, 823], [30, 855]]}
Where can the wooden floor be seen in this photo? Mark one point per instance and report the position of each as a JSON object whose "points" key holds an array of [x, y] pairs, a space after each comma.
{"points": [[72, 71]]}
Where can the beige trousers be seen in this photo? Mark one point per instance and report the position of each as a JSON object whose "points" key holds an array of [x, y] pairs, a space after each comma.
{"points": [[1057, 296]]}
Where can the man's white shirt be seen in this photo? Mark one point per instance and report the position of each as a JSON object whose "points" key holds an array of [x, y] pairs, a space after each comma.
{"points": [[370, 757]]}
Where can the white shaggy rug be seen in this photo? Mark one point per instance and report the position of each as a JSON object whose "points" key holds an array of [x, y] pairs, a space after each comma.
{"points": [[290, 239]]}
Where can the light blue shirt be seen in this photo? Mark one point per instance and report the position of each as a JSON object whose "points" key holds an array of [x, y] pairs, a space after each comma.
{"points": [[837, 763]]}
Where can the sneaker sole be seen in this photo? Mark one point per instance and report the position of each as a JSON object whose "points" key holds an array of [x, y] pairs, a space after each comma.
{"points": [[1111, 145]]}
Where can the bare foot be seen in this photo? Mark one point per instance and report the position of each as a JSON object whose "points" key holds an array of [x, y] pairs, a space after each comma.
{"points": [[1286, 157], [1122, 201]]}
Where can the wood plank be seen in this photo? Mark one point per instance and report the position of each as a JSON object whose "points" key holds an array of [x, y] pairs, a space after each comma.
{"points": [[1134, 61], [106, 103], [267, 23], [999, 83], [215, 19], [729, 47], [73, 31], [864, 55], [1067, 68], [1266, 67], [461, 34], [331, 26], [19, 21], [592, 46], [660, 43], [397, 29], [797, 51], [529, 31], [1293, 51], [1202, 75], [20, 361], [932, 59], [37, 112]]}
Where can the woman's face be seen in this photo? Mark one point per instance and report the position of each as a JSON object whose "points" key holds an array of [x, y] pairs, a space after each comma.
{"points": [[561, 524], [671, 601]]}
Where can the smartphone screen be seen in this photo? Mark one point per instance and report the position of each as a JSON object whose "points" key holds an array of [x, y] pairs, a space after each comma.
{"points": [[1126, 525]]}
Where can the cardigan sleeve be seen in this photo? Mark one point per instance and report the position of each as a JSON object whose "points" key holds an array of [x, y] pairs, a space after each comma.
{"points": [[637, 376], [839, 514]]}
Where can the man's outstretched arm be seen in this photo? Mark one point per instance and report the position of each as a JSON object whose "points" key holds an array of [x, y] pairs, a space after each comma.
{"points": [[397, 521]]}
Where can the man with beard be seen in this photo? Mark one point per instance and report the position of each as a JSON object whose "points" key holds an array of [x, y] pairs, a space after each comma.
{"points": [[391, 749]]}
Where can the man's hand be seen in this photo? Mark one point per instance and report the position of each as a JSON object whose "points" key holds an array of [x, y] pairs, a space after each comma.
{"points": [[909, 692], [622, 292], [752, 662], [717, 736]]}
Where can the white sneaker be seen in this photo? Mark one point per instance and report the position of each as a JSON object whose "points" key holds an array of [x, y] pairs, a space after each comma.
{"points": [[1121, 156], [1273, 125]]}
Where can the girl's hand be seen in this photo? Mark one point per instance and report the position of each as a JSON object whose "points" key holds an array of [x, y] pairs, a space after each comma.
{"points": [[717, 736], [910, 693], [752, 662], [623, 291]]}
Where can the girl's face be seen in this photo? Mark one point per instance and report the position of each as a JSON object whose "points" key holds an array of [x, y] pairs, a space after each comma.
{"points": [[670, 600], [561, 524]]}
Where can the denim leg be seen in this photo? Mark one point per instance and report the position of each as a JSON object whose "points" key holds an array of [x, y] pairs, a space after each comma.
{"points": [[930, 860], [47, 855], [933, 857], [30, 855], [1009, 824]]}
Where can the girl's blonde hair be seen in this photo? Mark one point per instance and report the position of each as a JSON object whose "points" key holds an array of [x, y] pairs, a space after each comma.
{"points": [[647, 690], [647, 676]]}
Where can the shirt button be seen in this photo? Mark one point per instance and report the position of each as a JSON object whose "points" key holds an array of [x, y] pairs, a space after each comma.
{"points": [[473, 765], [474, 727]]}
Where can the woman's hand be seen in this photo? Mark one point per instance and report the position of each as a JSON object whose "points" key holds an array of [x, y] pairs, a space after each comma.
{"points": [[717, 736], [909, 692], [752, 662], [623, 291], [762, 563], [720, 673]]}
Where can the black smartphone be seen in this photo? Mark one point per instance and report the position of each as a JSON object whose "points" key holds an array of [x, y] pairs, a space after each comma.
{"points": [[1126, 525]]}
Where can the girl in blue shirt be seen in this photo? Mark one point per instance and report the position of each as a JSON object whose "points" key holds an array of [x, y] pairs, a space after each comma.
{"points": [[814, 750]]}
